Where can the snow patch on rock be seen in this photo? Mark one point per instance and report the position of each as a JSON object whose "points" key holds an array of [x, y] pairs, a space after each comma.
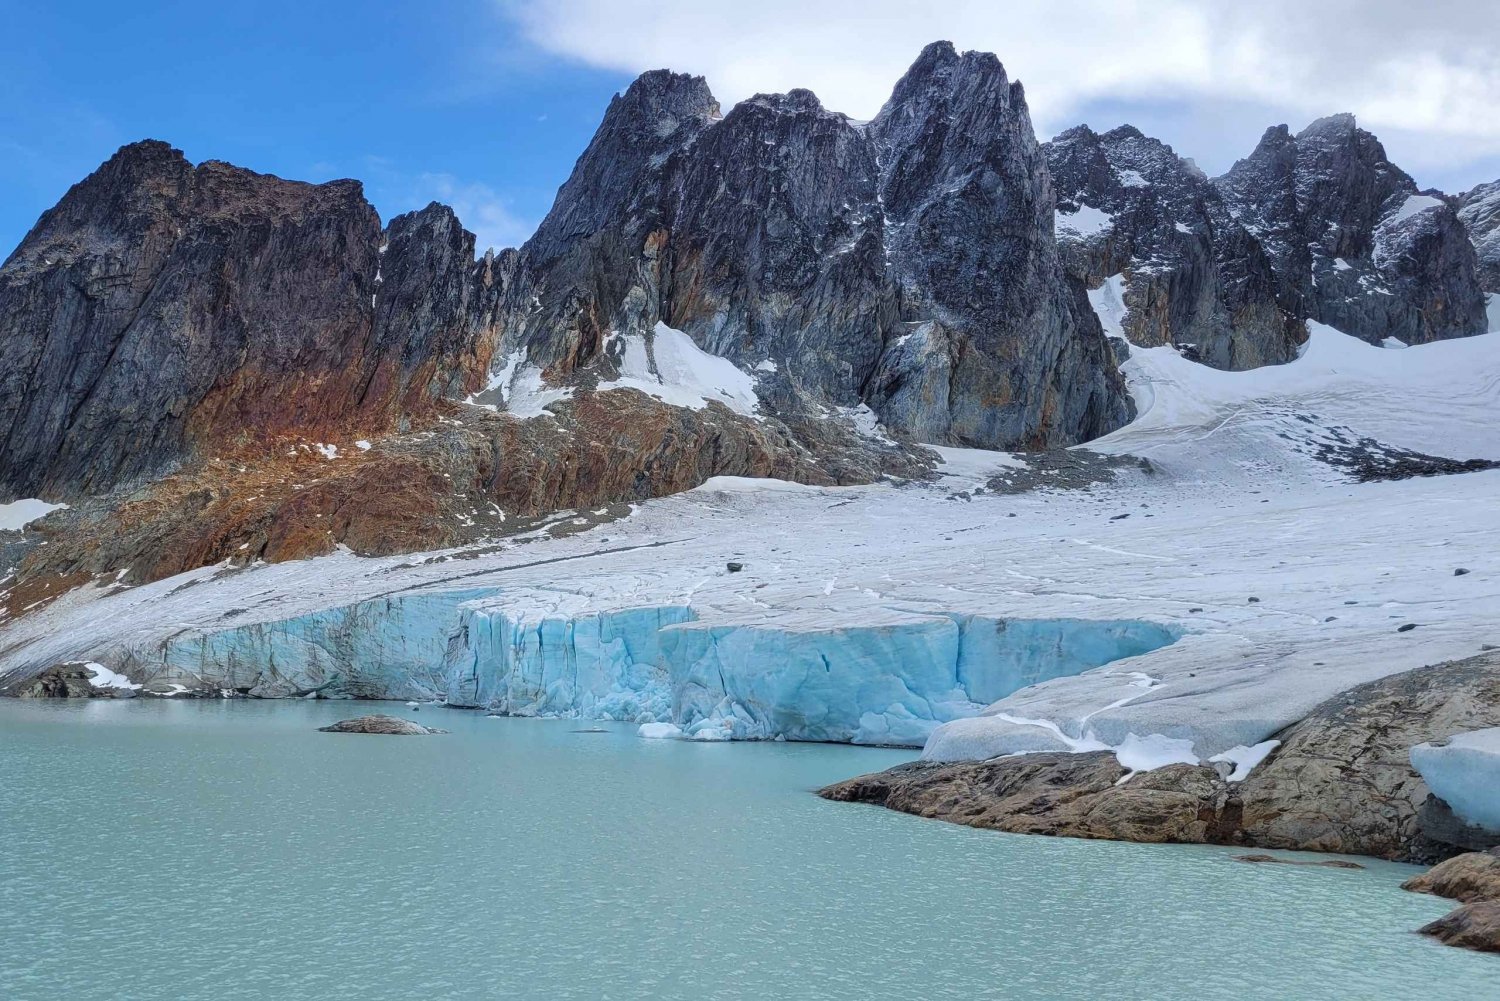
{"points": [[1085, 223], [671, 367], [19, 513], [102, 677], [1108, 301]]}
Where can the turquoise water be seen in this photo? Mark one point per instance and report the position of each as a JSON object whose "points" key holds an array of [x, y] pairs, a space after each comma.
{"points": [[226, 850]]}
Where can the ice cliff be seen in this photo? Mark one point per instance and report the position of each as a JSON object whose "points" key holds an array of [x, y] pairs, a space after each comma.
{"points": [[886, 682]]}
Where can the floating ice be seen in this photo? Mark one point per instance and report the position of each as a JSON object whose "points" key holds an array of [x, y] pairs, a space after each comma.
{"points": [[660, 731]]}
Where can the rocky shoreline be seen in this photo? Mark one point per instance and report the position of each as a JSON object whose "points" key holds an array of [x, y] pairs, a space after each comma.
{"points": [[1340, 781]]}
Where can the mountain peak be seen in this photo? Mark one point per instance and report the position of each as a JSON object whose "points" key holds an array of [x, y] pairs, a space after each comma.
{"points": [[1341, 124], [659, 93]]}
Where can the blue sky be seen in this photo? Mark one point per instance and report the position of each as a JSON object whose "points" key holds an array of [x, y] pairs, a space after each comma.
{"points": [[485, 104], [439, 102]]}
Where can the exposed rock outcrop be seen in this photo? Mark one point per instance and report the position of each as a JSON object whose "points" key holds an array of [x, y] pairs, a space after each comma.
{"points": [[162, 311], [1073, 795], [1341, 781], [1190, 274], [1474, 880], [1465, 878], [1352, 241], [908, 264], [1472, 926], [63, 681], [378, 723], [1479, 209]]}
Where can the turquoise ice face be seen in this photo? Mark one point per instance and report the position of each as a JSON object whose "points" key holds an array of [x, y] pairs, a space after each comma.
{"points": [[884, 683]]}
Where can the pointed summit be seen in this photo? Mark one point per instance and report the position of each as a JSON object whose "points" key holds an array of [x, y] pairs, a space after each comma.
{"points": [[658, 114]]}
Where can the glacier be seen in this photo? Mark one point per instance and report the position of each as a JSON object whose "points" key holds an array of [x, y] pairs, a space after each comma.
{"points": [[1464, 772], [1279, 580], [880, 683]]}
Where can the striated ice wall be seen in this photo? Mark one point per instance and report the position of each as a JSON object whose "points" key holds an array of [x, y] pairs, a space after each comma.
{"points": [[873, 683], [394, 647]]}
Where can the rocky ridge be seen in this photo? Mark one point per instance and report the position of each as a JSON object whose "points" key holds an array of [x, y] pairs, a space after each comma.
{"points": [[210, 364], [907, 264], [1189, 274], [1352, 241]]}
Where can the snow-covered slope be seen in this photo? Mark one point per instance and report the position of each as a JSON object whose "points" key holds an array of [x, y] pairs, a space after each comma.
{"points": [[878, 613]]}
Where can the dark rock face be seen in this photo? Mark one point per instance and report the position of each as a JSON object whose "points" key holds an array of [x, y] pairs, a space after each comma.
{"points": [[908, 264], [62, 681], [162, 307], [393, 725], [1479, 210], [1191, 275], [1352, 242], [175, 340]]}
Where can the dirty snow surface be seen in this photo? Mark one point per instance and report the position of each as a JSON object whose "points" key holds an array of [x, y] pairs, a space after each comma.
{"points": [[1188, 609]]}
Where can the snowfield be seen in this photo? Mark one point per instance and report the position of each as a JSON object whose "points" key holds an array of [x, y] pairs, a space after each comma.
{"points": [[1187, 611]]}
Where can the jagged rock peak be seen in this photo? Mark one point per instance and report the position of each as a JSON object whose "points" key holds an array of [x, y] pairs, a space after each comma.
{"points": [[663, 93], [941, 62], [1480, 211], [798, 99], [161, 310], [941, 77], [1352, 241], [1333, 126]]}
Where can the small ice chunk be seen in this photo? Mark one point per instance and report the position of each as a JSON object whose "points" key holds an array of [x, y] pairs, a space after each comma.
{"points": [[1464, 772], [660, 731]]}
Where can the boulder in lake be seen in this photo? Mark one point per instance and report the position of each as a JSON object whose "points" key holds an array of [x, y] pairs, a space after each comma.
{"points": [[378, 723], [1472, 926], [1466, 878]]}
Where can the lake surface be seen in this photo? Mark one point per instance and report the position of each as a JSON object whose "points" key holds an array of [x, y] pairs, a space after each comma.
{"points": [[226, 850]]}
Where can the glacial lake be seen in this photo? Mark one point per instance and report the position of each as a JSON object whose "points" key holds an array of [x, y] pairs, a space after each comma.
{"points": [[226, 850]]}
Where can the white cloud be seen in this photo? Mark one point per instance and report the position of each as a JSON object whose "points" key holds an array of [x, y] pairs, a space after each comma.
{"points": [[1431, 69], [482, 210]]}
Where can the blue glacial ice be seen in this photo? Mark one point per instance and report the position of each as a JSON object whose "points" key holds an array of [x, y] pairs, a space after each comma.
{"points": [[873, 683], [1464, 772]]}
